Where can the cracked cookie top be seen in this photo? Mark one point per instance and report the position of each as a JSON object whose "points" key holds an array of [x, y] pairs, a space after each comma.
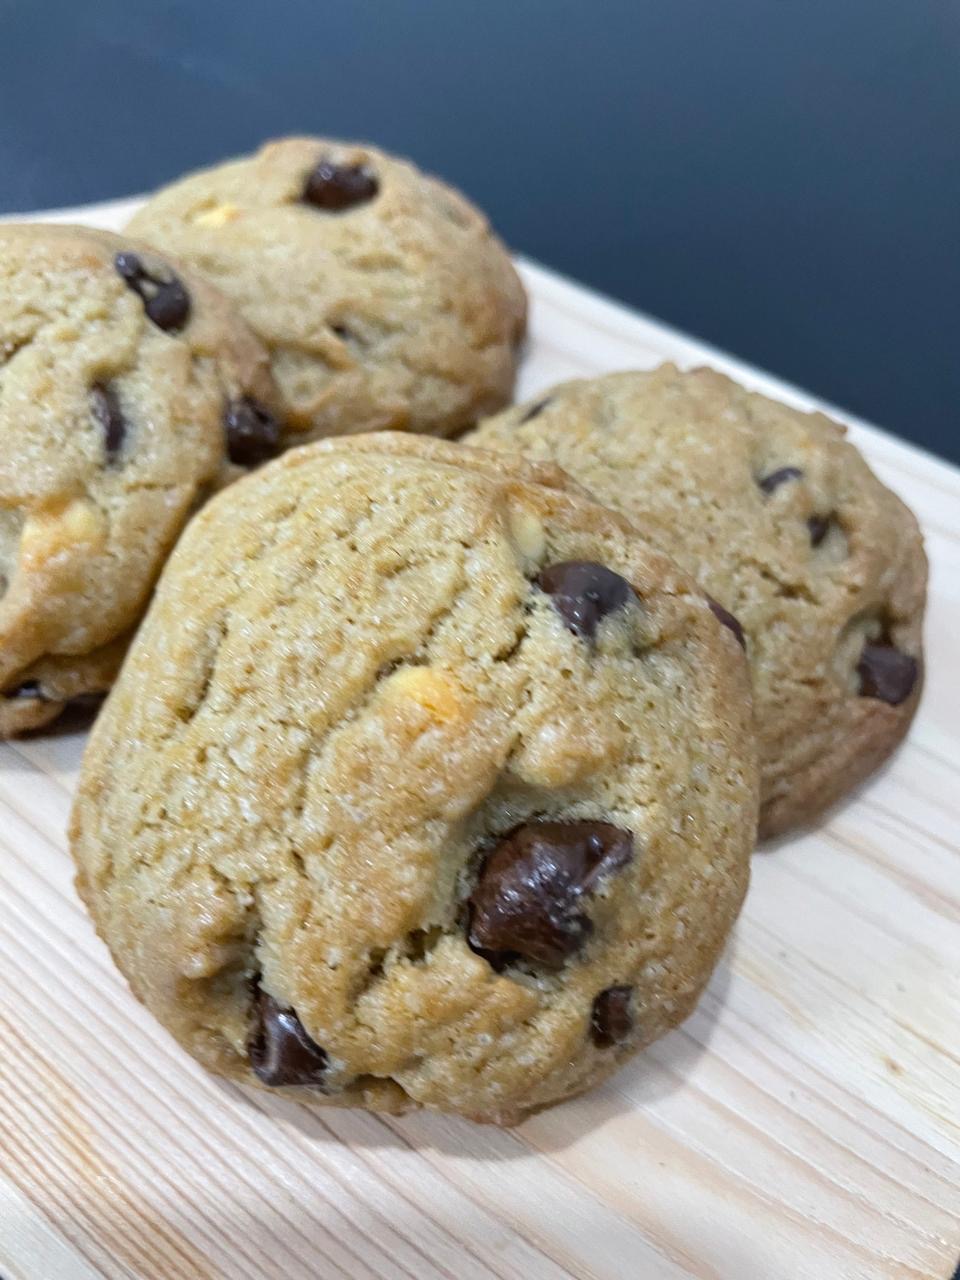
{"points": [[126, 390], [816, 562], [426, 782], [385, 299]]}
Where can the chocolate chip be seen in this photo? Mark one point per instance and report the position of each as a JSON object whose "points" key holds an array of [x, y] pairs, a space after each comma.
{"points": [[610, 1018], [535, 410], [724, 616], [253, 433], [28, 689], [776, 478], [886, 673], [818, 526], [106, 410], [339, 186], [584, 592], [280, 1051], [165, 299], [528, 900]]}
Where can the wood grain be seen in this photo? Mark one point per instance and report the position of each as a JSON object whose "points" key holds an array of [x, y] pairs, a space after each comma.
{"points": [[804, 1124]]}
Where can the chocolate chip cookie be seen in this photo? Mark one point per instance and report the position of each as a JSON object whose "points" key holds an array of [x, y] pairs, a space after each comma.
{"points": [[382, 294], [424, 783], [810, 560], [127, 389]]}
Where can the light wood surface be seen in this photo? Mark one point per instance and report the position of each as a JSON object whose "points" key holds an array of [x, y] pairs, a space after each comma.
{"points": [[804, 1124]]}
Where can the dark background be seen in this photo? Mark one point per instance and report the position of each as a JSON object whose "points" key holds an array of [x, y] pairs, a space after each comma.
{"points": [[781, 179]]}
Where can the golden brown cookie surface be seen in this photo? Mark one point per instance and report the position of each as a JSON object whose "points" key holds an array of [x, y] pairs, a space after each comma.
{"points": [[783, 522], [382, 294], [125, 388], [437, 784]]}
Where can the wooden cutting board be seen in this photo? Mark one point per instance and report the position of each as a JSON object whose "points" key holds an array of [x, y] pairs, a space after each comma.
{"points": [[804, 1123]]}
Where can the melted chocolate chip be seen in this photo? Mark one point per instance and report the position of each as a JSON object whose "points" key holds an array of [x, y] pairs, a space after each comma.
{"points": [[253, 433], [106, 410], [280, 1051], [339, 186], [818, 526], [528, 901], [165, 299], [584, 592], [610, 1018], [729, 621], [535, 410], [776, 478], [886, 673]]}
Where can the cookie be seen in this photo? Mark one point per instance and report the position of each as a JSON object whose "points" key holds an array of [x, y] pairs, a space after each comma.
{"points": [[791, 533], [126, 390], [425, 783], [382, 294]]}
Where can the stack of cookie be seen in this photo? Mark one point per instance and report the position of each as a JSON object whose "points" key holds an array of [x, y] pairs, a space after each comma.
{"points": [[432, 775], [358, 294]]}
